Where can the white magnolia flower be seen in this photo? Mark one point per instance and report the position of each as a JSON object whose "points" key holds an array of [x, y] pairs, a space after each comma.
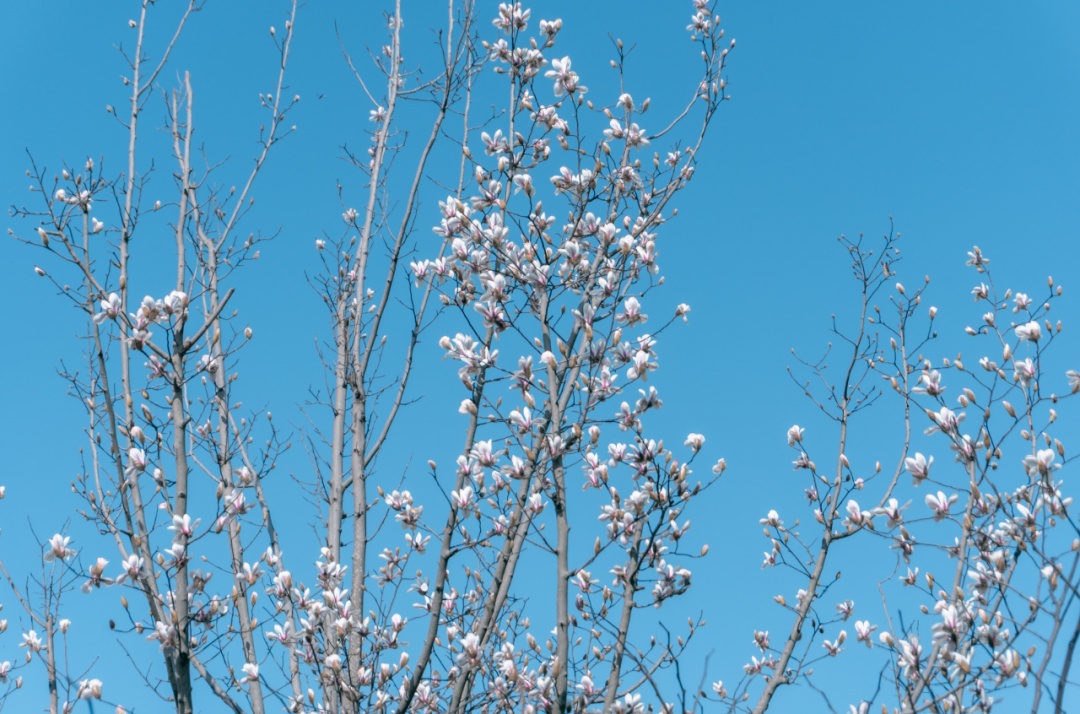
{"points": [[58, 549], [1029, 332]]}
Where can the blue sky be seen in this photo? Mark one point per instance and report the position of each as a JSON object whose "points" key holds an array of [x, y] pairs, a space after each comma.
{"points": [[956, 119]]}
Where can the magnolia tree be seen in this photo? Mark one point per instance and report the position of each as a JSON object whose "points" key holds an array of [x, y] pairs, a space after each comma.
{"points": [[423, 595], [977, 592]]}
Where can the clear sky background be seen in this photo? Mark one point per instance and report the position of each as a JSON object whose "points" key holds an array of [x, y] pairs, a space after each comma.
{"points": [[957, 119]]}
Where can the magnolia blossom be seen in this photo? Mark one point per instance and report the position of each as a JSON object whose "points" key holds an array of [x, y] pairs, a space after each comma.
{"points": [[585, 685], [695, 442], [133, 565], [945, 421], [1074, 380], [31, 641], [631, 314], [462, 498], [976, 259], [536, 503], [834, 648], [551, 28], [641, 366], [939, 503], [110, 309], [632, 133], [863, 630], [952, 624], [794, 435], [183, 526], [136, 462], [58, 549], [700, 22], [1041, 463], [511, 17], [918, 466], [175, 303], [566, 80], [772, 520], [857, 517], [930, 384], [910, 655], [892, 510], [97, 578], [90, 689], [1029, 332], [1051, 573], [803, 462], [251, 673], [1024, 371]]}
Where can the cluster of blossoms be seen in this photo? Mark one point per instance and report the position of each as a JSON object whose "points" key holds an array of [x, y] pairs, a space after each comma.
{"points": [[173, 307]]}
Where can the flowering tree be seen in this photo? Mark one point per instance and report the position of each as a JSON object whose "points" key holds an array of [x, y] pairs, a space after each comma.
{"points": [[535, 567], [978, 590], [546, 249]]}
